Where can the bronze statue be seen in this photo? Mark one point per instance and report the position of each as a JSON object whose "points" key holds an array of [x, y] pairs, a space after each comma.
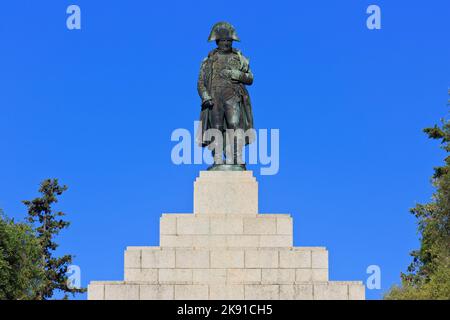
{"points": [[225, 105]]}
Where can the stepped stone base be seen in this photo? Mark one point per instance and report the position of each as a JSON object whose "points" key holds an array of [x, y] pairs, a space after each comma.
{"points": [[121, 290], [226, 250]]}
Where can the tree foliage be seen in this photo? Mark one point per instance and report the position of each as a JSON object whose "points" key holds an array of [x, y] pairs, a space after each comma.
{"points": [[21, 270], [48, 224], [428, 276]]}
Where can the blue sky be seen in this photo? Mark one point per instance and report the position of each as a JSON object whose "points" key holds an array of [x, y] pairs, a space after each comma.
{"points": [[96, 107]]}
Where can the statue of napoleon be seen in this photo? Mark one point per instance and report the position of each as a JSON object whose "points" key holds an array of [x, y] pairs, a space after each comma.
{"points": [[226, 119]]}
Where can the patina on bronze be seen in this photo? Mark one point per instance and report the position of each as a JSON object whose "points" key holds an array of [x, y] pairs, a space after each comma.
{"points": [[225, 104]]}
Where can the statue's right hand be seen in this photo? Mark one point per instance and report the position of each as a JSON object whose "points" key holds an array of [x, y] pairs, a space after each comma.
{"points": [[208, 104]]}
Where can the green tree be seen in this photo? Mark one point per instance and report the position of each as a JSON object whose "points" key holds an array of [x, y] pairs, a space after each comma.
{"points": [[48, 225], [21, 272], [428, 276]]}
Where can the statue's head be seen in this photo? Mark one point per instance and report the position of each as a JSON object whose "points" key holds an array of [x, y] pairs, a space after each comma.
{"points": [[224, 45], [224, 34]]}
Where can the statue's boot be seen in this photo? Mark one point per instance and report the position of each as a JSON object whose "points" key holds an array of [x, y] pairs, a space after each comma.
{"points": [[234, 154], [217, 156], [238, 152], [218, 160]]}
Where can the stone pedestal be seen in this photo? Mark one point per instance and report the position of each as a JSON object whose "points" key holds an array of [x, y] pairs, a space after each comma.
{"points": [[226, 250]]}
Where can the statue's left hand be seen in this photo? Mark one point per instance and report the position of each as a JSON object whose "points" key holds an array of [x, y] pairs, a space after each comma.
{"points": [[232, 74]]}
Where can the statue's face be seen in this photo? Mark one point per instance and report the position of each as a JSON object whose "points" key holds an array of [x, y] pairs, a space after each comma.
{"points": [[224, 44]]}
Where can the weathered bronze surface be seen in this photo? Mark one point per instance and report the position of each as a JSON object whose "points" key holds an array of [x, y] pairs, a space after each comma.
{"points": [[225, 104]]}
